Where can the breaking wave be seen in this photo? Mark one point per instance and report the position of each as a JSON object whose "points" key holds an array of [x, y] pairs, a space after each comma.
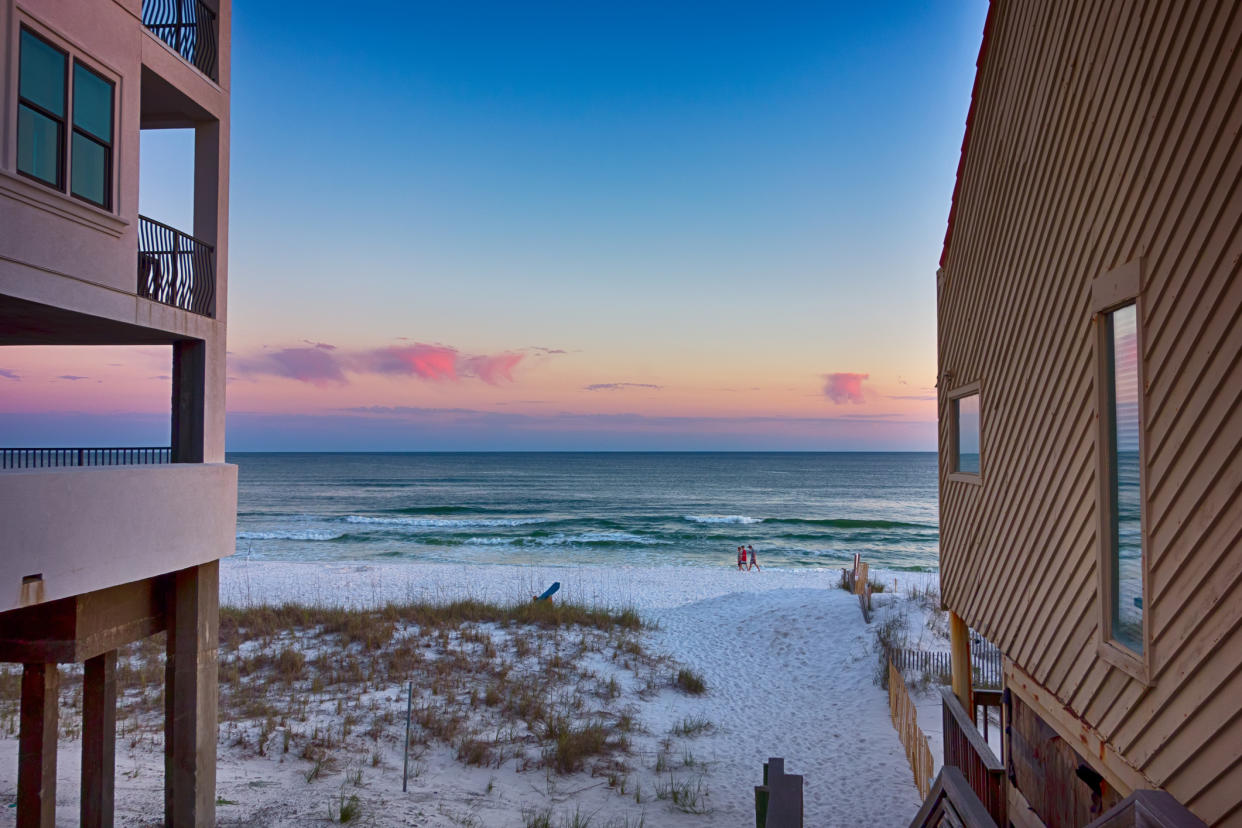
{"points": [[441, 523], [292, 534], [738, 519]]}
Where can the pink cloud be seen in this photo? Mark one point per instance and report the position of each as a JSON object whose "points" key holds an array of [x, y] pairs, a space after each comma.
{"points": [[326, 365], [313, 365], [492, 369], [845, 388], [430, 362]]}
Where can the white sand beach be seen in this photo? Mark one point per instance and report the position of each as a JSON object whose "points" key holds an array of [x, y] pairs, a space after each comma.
{"points": [[786, 656]]}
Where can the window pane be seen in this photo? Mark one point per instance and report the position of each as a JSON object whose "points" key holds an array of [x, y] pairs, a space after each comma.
{"points": [[92, 103], [967, 410], [1127, 525], [42, 74], [90, 170], [38, 145]]}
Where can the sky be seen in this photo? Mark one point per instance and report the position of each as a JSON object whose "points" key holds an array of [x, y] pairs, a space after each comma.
{"points": [[541, 226]]}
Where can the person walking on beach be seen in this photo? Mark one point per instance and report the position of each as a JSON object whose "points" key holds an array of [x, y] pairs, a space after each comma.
{"points": [[754, 564], [741, 558]]}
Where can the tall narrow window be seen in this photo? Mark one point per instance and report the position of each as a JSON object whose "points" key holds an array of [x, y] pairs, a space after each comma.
{"points": [[966, 434], [91, 177], [1125, 549], [41, 110]]}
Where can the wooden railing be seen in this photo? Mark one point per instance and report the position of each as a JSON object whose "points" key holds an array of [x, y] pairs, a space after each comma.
{"points": [[952, 803], [905, 720], [966, 750], [42, 458], [1150, 809], [983, 702]]}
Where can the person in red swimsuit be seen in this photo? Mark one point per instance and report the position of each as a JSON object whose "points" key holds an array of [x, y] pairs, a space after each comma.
{"points": [[741, 558]]}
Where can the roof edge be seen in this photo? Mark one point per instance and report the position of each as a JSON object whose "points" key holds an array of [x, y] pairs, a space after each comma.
{"points": [[970, 118]]}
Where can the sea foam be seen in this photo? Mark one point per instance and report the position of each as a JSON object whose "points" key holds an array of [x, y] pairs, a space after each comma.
{"points": [[292, 534], [442, 523], [740, 519]]}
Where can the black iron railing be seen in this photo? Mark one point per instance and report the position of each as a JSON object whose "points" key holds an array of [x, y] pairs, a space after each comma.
{"points": [[188, 26], [175, 269], [45, 458]]}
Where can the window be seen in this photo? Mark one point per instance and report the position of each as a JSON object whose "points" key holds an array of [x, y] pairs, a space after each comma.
{"points": [[967, 416], [1124, 540], [92, 136], [49, 141], [41, 110], [965, 433]]}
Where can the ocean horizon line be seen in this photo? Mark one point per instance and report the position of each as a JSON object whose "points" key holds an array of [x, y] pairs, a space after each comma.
{"points": [[570, 451]]}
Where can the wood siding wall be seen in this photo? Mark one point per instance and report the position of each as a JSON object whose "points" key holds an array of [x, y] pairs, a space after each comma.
{"points": [[1103, 133]]}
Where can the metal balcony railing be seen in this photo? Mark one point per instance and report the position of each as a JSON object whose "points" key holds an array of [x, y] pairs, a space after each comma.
{"points": [[188, 26], [46, 458], [175, 269]]}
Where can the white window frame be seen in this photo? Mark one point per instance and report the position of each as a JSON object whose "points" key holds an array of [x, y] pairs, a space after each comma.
{"points": [[955, 395]]}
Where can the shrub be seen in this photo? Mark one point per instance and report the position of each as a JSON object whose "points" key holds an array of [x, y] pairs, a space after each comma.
{"points": [[690, 682]]}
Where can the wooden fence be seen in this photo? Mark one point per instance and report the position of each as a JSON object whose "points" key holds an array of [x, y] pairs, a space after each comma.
{"points": [[937, 666], [857, 580], [905, 720]]}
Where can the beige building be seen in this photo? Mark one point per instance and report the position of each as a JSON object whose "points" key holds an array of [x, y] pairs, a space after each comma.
{"points": [[101, 547], [1090, 388]]}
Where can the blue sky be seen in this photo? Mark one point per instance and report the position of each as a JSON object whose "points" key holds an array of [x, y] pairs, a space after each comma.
{"points": [[712, 210]]}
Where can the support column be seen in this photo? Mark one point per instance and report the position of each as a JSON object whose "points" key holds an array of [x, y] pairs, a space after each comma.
{"points": [[36, 752], [99, 740], [959, 640], [190, 697], [189, 376]]}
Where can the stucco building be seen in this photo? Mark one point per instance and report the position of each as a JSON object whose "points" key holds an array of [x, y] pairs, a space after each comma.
{"points": [[101, 547], [1090, 391]]}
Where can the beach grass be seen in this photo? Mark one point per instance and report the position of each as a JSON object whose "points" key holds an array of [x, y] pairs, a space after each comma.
{"points": [[538, 686]]}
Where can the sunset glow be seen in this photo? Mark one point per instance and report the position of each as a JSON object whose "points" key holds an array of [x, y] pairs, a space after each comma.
{"points": [[594, 230]]}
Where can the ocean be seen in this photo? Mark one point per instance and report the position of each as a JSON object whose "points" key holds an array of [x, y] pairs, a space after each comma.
{"points": [[796, 509]]}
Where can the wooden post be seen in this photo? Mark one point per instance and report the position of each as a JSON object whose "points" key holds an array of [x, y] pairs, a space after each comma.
{"points": [[405, 751], [36, 751], [190, 697], [99, 740], [959, 640]]}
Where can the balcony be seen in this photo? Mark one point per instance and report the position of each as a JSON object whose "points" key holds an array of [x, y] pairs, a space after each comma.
{"points": [[188, 26], [175, 268], [72, 530], [47, 458]]}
